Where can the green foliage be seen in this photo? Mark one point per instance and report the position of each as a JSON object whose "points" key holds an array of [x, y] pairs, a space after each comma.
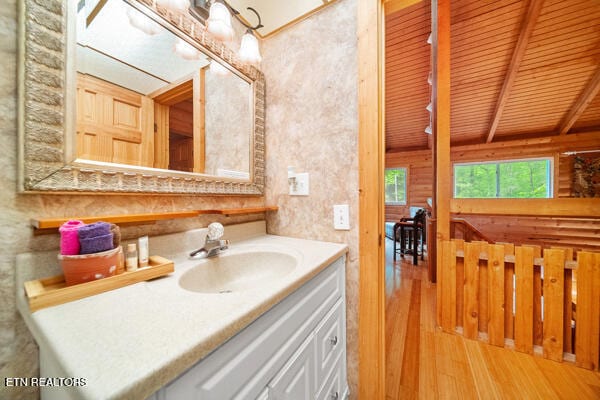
{"points": [[514, 179], [395, 185]]}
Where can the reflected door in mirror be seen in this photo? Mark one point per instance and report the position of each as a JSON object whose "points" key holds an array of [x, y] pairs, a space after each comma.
{"points": [[114, 124]]}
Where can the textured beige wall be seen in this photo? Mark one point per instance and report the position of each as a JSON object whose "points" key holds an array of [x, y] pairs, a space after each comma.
{"points": [[311, 124], [311, 76], [18, 352]]}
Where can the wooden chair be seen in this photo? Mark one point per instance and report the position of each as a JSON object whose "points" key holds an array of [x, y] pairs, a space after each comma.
{"points": [[411, 232]]}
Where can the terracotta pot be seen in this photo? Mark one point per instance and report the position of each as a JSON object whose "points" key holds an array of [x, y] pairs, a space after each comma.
{"points": [[89, 267]]}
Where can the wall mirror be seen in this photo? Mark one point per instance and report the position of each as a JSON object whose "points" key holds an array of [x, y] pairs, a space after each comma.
{"points": [[123, 96]]}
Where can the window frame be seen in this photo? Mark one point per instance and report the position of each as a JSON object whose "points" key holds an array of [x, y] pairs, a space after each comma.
{"points": [[397, 203], [549, 175]]}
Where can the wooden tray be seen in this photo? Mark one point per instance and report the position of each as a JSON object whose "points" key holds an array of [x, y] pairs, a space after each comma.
{"points": [[52, 291]]}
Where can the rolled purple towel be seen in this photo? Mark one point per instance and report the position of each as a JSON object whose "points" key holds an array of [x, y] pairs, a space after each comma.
{"points": [[93, 230], [96, 244]]}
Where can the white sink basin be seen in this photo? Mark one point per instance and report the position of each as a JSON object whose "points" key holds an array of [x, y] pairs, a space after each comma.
{"points": [[237, 272]]}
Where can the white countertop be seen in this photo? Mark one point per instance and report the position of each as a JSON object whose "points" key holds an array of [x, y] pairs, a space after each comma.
{"points": [[129, 342]]}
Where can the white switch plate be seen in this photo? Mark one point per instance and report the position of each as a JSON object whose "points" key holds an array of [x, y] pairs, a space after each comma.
{"points": [[301, 186], [341, 217]]}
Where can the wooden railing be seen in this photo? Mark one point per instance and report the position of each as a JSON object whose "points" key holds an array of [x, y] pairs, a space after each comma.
{"points": [[467, 230], [513, 297]]}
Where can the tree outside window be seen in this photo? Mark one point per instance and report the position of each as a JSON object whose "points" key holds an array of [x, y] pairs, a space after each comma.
{"points": [[395, 186], [504, 179]]}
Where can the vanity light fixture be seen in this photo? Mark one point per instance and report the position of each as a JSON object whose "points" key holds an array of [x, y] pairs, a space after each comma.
{"points": [[218, 24], [249, 51]]}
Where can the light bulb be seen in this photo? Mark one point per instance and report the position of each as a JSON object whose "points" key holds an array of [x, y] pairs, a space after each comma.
{"points": [[219, 22], [249, 51]]}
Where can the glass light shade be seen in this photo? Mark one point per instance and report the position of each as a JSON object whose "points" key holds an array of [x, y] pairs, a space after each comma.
{"points": [[219, 22], [174, 5], [429, 107], [143, 23], [428, 130], [186, 51], [218, 69], [249, 51]]}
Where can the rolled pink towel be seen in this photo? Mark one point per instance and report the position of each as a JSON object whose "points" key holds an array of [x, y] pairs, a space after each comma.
{"points": [[69, 238]]}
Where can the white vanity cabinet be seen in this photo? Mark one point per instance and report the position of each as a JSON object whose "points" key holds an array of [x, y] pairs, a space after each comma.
{"points": [[296, 350]]}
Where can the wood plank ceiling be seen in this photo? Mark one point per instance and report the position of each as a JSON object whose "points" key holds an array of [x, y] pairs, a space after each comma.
{"points": [[519, 69]]}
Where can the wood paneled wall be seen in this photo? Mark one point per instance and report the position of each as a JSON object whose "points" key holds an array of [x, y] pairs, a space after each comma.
{"points": [[579, 233], [419, 180]]}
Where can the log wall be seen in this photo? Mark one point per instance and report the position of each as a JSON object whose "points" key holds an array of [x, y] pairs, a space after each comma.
{"points": [[579, 233]]}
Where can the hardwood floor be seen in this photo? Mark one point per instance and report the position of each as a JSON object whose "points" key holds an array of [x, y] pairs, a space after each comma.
{"points": [[422, 362]]}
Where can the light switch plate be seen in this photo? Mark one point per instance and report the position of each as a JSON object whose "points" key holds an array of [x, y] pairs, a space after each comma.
{"points": [[300, 188], [341, 217]]}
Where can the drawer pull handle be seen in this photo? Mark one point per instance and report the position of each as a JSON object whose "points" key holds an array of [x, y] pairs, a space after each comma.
{"points": [[333, 340], [335, 396]]}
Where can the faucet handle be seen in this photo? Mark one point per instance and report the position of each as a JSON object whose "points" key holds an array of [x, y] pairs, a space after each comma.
{"points": [[215, 231]]}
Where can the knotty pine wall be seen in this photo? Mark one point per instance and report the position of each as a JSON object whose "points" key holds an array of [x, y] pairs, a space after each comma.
{"points": [[580, 233]]}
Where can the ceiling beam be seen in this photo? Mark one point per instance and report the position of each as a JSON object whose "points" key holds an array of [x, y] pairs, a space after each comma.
{"points": [[391, 6], [529, 20], [581, 103], [94, 13]]}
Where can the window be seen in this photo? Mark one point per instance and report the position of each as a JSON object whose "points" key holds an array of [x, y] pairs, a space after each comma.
{"points": [[395, 186], [504, 179]]}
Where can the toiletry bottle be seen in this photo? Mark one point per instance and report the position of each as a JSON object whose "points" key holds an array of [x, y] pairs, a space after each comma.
{"points": [[143, 251], [131, 258]]}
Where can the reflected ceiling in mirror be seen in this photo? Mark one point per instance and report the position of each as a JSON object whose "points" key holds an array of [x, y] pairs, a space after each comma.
{"points": [[153, 100], [54, 157]]}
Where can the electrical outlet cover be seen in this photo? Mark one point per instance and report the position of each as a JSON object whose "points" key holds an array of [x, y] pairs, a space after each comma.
{"points": [[341, 217]]}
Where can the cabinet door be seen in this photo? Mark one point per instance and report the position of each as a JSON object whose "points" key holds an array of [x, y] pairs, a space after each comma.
{"points": [[335, 387], [330, 342], [296, 380]]}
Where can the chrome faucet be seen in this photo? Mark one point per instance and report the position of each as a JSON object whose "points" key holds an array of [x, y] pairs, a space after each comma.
{"points": [[213, 245]]}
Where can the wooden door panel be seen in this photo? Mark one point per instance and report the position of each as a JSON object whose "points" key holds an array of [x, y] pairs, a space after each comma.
{"points": [[114, 124]]}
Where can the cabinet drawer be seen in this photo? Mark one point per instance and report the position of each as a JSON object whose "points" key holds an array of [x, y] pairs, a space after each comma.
{"points": [[330, 341]]}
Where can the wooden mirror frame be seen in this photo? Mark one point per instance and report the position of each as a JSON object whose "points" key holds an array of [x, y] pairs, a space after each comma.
{"points": [[47, 161]]}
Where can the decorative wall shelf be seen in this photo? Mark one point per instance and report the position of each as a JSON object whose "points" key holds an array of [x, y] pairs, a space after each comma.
{"points": [[44, 224]]}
